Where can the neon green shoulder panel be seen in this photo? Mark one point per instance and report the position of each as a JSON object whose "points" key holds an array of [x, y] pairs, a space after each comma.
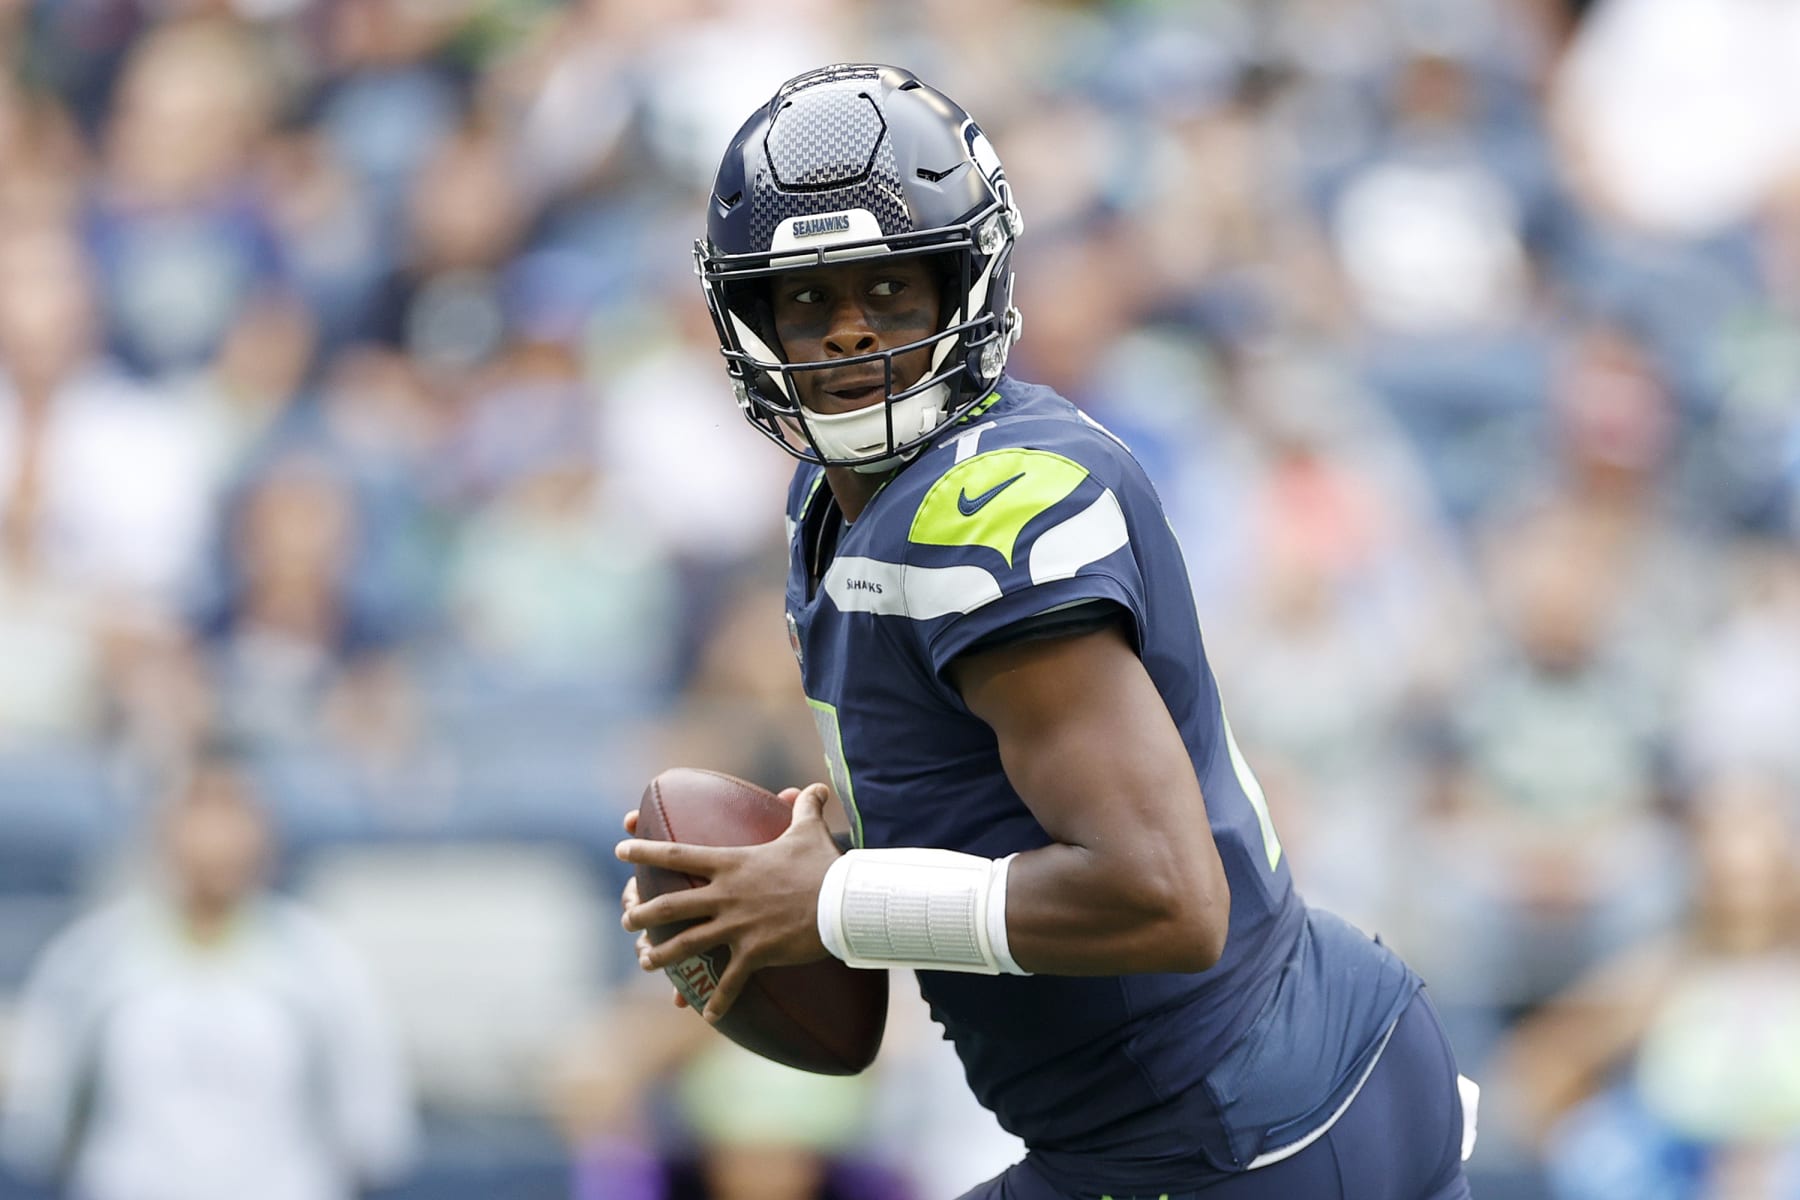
{"points": [[980, 407], [987, 499]]}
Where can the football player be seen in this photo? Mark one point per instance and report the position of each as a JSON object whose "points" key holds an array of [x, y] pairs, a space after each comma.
{"points": [[1050, 819]]}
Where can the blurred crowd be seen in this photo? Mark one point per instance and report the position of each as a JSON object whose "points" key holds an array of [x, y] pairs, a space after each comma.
{"points": [[370, 486]]}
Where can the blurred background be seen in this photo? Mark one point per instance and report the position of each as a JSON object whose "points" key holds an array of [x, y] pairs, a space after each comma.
{"points": [[375, 520]]}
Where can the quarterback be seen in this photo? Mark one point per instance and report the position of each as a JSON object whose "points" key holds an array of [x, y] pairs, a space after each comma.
{"points": [[1051, 821]]}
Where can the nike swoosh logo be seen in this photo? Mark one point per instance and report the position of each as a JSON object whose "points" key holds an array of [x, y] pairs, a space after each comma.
{"points": [[969, 508]]}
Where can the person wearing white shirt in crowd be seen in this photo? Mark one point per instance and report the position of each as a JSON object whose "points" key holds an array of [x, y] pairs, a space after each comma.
{"points": [[205, 1040]]}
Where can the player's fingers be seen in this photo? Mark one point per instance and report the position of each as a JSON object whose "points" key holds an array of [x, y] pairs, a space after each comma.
{"points": [[688, 905], [643, 945], [731, 983], [690, 943], [809, 805], [631, 822], [628, 896], [704, 861]]}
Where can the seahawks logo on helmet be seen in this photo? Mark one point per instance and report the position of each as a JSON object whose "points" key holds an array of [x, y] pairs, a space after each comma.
{"points": [[805, 227]]}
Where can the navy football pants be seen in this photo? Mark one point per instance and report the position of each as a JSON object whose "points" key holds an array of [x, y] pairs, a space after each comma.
{"points": [[1400, 1139]]}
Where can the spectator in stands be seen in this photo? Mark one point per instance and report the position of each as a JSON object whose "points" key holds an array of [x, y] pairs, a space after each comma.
{"points": [[202, 1039], [1754, 362], [104, 494], [1351, 588], [674, 1113], [1672, 1070], [1433, 233], [742, 707], [443, 302], [717, 519], [554, 583], [1616, 474], [303, 606], [107, 480], [768, 1133], [1742, 686], [1549, 823], [183, 242], [1650, 90], [388, 96]]}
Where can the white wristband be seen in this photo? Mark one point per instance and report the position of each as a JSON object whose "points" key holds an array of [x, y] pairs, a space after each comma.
{"points": [[930, 910]]}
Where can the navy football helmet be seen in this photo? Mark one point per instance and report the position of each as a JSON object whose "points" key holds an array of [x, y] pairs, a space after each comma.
{"points": [[861, 161]]}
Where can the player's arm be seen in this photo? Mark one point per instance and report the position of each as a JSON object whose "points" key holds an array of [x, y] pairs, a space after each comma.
{"points": [[1133, 882]]}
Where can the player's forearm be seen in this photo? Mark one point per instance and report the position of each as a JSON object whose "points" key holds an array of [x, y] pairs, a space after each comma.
{"points": [[1074, 911]]}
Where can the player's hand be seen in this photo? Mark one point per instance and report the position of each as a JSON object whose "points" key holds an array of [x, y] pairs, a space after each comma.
{"points": [[628, 899], [759, 901]]}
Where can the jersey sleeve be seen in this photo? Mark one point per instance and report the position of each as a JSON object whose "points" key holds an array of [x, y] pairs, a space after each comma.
{"points": [[1012, 534]]}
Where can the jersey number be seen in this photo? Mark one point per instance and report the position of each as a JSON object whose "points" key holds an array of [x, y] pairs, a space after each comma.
{"points": [[826, 718]]}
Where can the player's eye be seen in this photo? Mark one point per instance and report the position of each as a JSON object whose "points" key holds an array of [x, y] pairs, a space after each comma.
{"points": [[811, 295], [887, 287]]}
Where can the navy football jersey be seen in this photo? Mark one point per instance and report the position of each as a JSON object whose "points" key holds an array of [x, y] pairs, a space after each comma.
{"points": [[1149, 1081]]}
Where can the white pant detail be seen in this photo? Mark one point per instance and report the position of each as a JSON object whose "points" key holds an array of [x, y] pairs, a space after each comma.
{"points": [[1470, 1091]]}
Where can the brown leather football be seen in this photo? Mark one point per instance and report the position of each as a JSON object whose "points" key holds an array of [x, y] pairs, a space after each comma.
{"points": [[822, 1017]]}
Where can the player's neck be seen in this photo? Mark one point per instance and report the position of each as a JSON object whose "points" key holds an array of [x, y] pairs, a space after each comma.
{"points": [[853, 490]]}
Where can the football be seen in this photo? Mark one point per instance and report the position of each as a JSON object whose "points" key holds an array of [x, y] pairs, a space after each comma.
{"points": [[822, 1017]]}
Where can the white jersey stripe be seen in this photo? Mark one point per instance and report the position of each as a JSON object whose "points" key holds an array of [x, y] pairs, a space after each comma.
{"points": [[1088, 536], [895, 589], [873, 585]]}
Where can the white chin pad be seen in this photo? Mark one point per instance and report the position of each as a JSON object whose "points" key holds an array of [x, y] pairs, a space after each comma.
{"points": [[845, 437]]}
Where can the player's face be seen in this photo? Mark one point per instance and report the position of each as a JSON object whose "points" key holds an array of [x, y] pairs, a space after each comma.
{"points": [[852, 309]]}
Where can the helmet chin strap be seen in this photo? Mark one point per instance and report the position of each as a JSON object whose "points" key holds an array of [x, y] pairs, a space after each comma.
{"points": [[841, 437]]}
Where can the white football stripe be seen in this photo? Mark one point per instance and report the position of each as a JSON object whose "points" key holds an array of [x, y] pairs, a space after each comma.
{"points": [[939, 591], [977, 297], [894, 589], [967, 443], [1088, 536], [758, 349]]}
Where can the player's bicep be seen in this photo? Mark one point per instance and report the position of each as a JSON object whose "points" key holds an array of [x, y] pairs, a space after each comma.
{"points": [[1073, 710], [1092, 750]]}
